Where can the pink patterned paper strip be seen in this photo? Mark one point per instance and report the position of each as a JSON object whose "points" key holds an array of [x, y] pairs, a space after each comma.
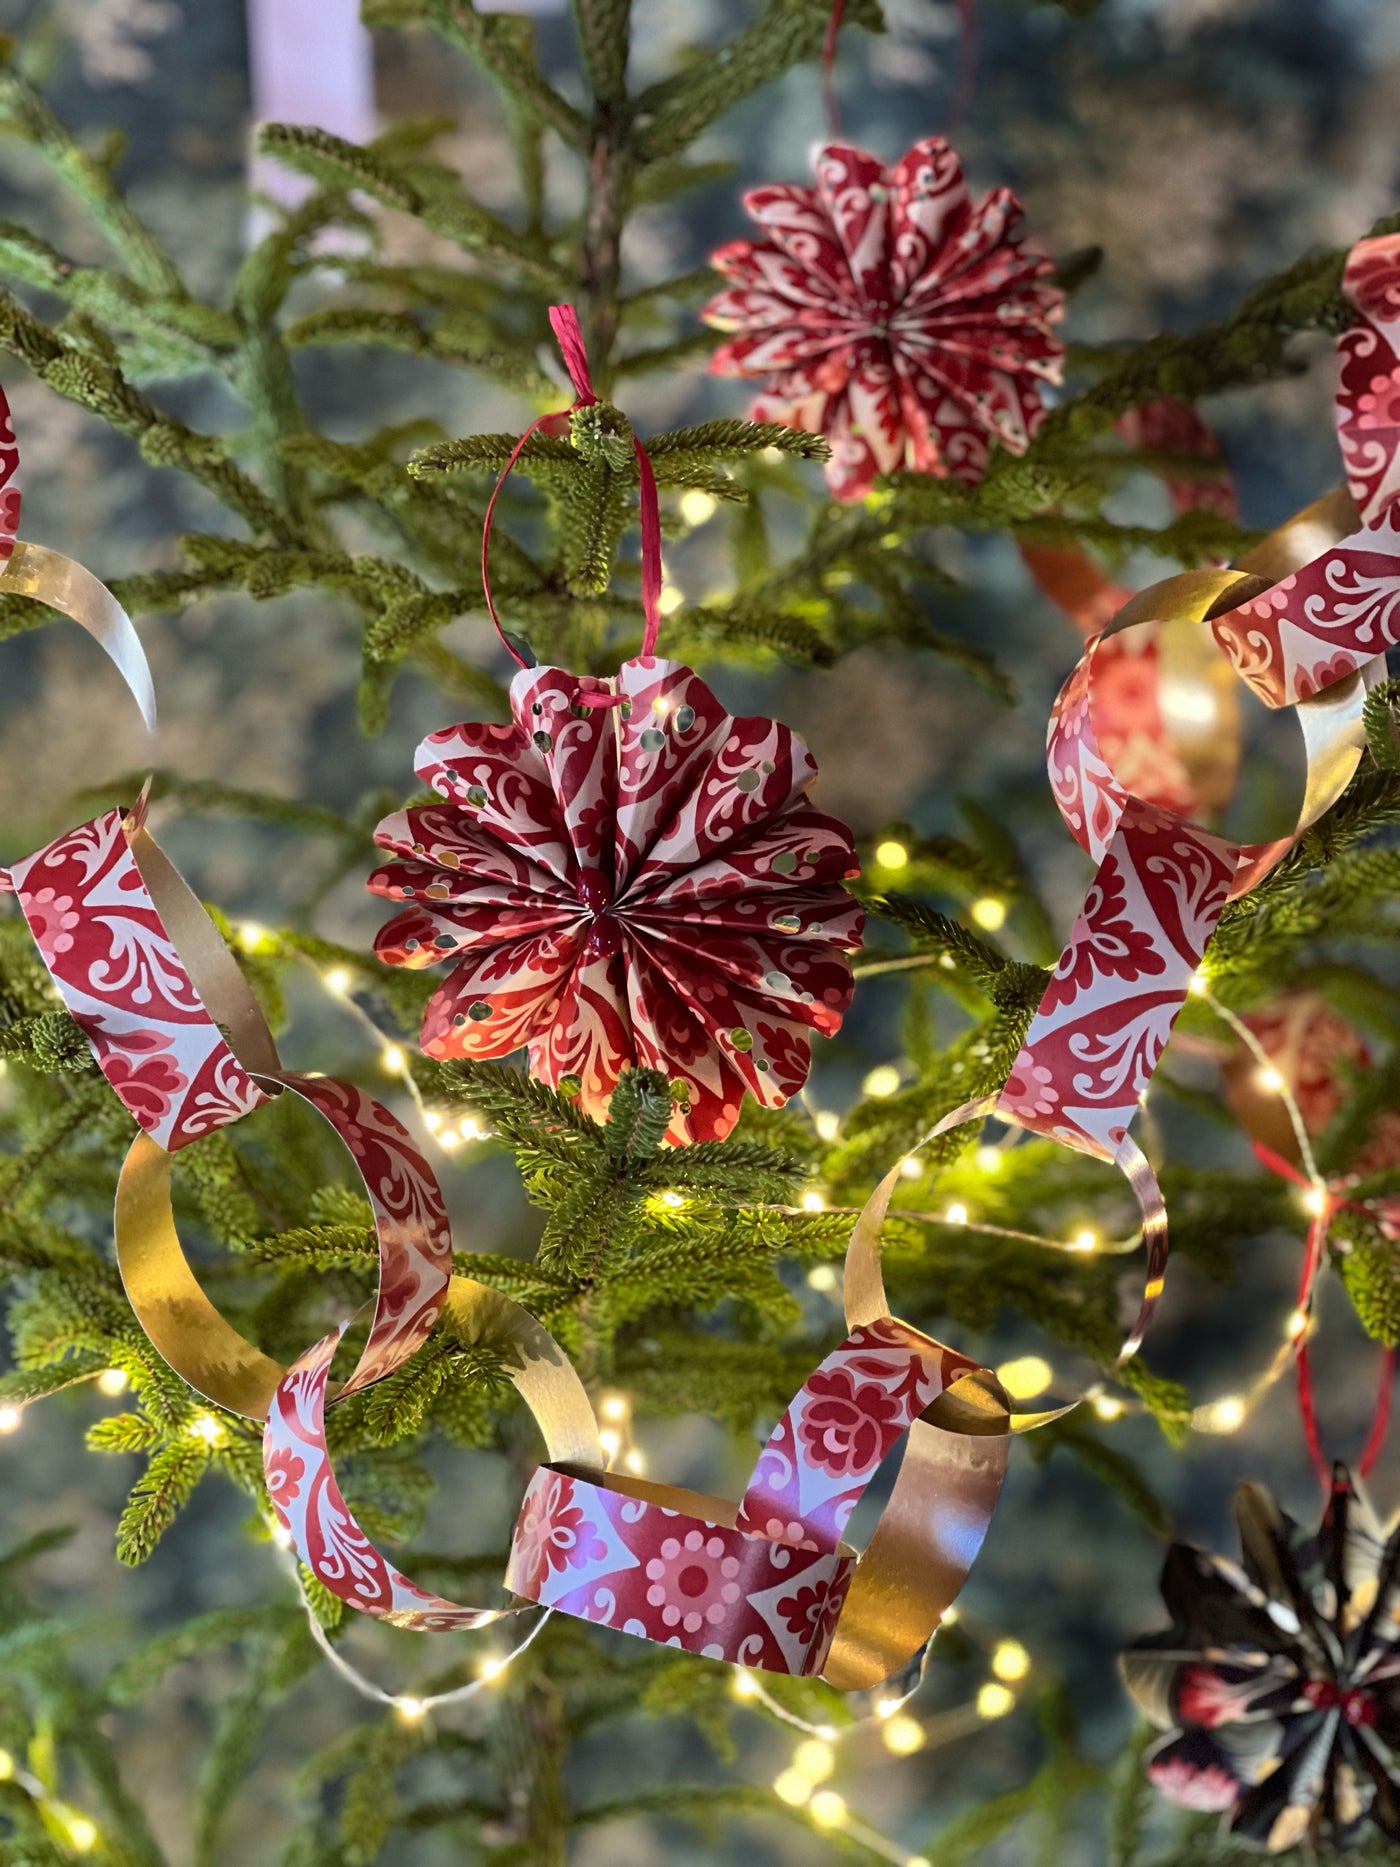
{"points": [[110, 956], [9, 481], [311, 1508], [845, 1422]]}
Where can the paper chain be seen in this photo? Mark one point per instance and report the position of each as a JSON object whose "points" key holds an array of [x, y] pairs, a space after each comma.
{"points": [[184, 1046]]}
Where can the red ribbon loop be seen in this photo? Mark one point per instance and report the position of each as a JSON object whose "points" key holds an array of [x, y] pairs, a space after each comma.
{"points": [[564, 323]]}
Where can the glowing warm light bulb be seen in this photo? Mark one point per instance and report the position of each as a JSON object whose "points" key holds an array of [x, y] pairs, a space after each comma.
{"points": [[674, 1200], [392, 1060], [987, 1159], [1200, 981], [614, 1406], [887, 1707], [792, 1787], [989, 913], [1010, 1661], [1297, 1324], [251, 936], [698, 507], [828, 1809], [10, 1418], [1269, 1079], [432, 1120], [491, 1668], [82, 1832], [470, 1129], [1220, 1416], [1108, 1406], [670, 599], [449, 1140], [1083, 1241], [994, 1701], [339, 980], [7, 1766], [815, 1759], [112, 1381], [281, 1536], [918, 1860], [912, 1168], [822, 1277], [611, 1441], [410, 1709], [902, 1735], [827, 1124], [957, 1214], [883, 1080], [891, 855], [744, 1684], [813, 1202], [206, 1428], [635, 1462], [1025, 1377], [949, 1616], [1315, 1201]]}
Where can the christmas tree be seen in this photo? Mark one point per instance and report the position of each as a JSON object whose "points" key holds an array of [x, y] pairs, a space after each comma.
{"points": [[686, 1284]]}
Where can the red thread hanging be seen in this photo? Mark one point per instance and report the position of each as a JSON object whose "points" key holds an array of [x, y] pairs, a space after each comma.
{"points": [[564, 322]]}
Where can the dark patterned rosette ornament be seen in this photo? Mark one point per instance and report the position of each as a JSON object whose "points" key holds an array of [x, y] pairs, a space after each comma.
{"points": [[888, 311], [1278, 1682]]}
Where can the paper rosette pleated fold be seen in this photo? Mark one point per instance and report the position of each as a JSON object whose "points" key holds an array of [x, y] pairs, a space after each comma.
{"points": [[888, 311], [1278, 1683], [641, 883]]}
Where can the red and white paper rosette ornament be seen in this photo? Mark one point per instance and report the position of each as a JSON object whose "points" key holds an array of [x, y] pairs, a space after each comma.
{"points": [[888, 311], [627, 874]]}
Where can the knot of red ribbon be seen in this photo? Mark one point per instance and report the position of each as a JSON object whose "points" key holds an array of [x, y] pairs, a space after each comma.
{"points": [[565, 325]]}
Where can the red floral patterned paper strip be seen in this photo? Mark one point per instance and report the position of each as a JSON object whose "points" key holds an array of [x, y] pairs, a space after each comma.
{"points": [[850, 1414], [619, 1560], [121, 978], [644, 883]]}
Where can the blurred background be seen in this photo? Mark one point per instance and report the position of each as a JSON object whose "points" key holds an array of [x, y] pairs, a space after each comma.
{"points": [[1203, 144]]}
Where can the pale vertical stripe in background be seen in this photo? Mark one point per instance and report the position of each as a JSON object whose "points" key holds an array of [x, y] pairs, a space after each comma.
{"points": [[310, 61]]}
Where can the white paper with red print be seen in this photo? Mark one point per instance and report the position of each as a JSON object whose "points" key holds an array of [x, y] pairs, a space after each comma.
{"points": [[412, 1233], [110, 956], [638, 884], [1341, 611], [891, 313], [1120, 984], [765, 1589], [311, 1508]]}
